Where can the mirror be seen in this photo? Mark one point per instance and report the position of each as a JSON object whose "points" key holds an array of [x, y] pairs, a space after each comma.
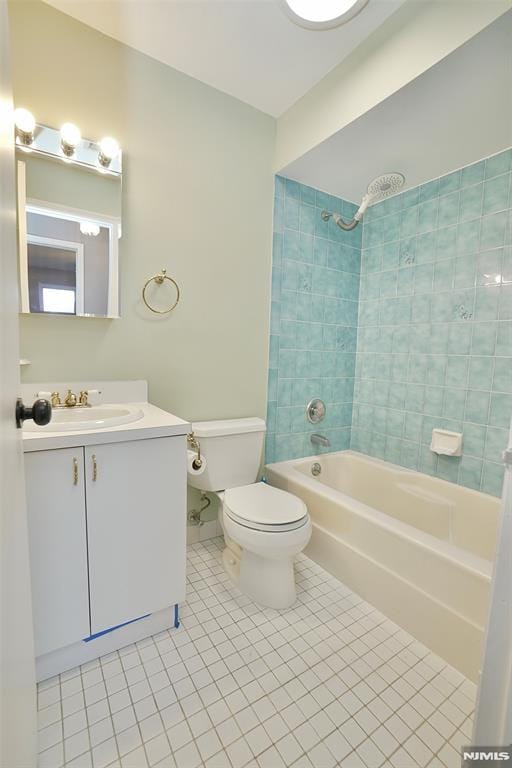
{"points": [[69, 222]]}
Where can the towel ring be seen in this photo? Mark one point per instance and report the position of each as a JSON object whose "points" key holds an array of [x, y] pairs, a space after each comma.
{"points": [[159, 279]]}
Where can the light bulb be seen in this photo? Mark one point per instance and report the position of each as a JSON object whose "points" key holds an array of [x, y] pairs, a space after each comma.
{"points": [[25, 124], [322, 14], [109, 149], [89, 228], [24, 120], [70, 137]]}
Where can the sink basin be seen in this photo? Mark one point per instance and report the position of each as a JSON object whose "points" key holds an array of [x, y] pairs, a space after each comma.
{"points": [[95, 417]]}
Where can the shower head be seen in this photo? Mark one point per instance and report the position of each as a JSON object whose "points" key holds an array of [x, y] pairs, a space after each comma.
{"points": [[385, 185], [378, 189]]}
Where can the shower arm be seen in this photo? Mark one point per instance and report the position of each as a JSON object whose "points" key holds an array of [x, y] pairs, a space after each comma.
{"points": [[352, 224], [342, 224]]}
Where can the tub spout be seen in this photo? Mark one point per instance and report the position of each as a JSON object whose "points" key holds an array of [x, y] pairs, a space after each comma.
{"points": [[320, 440]]}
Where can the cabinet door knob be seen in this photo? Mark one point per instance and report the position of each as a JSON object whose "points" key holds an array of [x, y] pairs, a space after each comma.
{"points": [[75, 471], [94, 468]]}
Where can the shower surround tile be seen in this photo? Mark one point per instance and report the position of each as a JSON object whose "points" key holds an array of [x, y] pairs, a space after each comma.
{"points": [[402, 325], [434, 345], [315, 291]]}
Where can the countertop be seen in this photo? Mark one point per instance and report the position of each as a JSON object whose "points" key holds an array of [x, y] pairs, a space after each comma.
{"points": [[154, 423]]}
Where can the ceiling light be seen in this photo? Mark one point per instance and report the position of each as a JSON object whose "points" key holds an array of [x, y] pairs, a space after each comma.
{"points": [[25, 123], [109, 150], [322, 14], [89, 228], [70, 138]]}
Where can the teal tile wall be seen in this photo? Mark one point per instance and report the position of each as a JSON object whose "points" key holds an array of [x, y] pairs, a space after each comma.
{"points": [[315, 287], [435, 324]]}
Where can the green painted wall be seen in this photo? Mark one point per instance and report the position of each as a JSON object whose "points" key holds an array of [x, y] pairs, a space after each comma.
{"points": [[197, 199]]}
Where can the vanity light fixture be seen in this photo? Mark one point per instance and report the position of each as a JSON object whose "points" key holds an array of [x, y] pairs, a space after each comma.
{"points": [[89, 228], [109, 150], [25, 123], [322, 14], [70, 138], [67, 144]]}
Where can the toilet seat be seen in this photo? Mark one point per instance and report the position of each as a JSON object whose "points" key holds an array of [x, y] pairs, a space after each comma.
{"points": [[262, 507]]}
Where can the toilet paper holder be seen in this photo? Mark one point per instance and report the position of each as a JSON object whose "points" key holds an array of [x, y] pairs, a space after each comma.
{"points": [[195, 445]]}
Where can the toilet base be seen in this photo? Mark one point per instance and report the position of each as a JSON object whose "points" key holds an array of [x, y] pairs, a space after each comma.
{"points": [[267, 579], [231, 563], [270, 583]]}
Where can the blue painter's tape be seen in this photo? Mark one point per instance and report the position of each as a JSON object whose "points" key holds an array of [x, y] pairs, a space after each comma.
{"points": [[176, 616], [112, 629]]}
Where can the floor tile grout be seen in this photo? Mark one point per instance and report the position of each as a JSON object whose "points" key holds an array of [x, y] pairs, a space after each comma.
{"points": [[236, 683]]}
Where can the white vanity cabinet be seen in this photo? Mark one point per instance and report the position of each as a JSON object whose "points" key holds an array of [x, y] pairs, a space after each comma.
{"points": [[107, 528], [58, 547], [136, 517]]}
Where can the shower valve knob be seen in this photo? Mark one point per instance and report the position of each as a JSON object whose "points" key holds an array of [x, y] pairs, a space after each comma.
{"points": [[315, 411]]}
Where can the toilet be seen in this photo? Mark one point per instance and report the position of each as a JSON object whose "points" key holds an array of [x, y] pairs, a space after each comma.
{"points": [[264, 527]]}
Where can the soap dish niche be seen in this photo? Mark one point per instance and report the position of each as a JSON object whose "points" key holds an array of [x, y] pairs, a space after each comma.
{"points": [[446, 443]]}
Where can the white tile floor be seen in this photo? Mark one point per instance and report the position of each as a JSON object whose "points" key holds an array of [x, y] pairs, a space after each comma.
{"points": [[329, 682]]}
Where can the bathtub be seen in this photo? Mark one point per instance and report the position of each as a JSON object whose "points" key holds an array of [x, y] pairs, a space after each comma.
{"points": [[418, 548]]}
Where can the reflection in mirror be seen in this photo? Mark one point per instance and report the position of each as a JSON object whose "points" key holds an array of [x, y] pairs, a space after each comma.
{"points": [[68, 261], [69, 230], [54, 269]]}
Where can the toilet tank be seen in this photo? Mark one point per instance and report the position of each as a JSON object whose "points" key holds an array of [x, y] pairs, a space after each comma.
{"points": [[232, 450]]}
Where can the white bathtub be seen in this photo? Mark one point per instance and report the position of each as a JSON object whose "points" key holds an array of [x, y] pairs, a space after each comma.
{"points": [[418, 548]]}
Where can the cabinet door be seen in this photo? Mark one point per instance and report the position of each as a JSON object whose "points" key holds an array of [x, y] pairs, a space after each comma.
{"points": [[136, 518], [58, 547]]}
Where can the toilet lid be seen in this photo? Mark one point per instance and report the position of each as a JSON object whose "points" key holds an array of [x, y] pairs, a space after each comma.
{"points": [[262, 504]]}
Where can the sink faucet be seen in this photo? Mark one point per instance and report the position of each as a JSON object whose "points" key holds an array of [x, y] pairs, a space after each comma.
{"points": [[70, 400], [320, 440]]}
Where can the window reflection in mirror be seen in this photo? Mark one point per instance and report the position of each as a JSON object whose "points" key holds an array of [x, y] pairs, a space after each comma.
{"points": [[71, 256], [52, 275]]}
